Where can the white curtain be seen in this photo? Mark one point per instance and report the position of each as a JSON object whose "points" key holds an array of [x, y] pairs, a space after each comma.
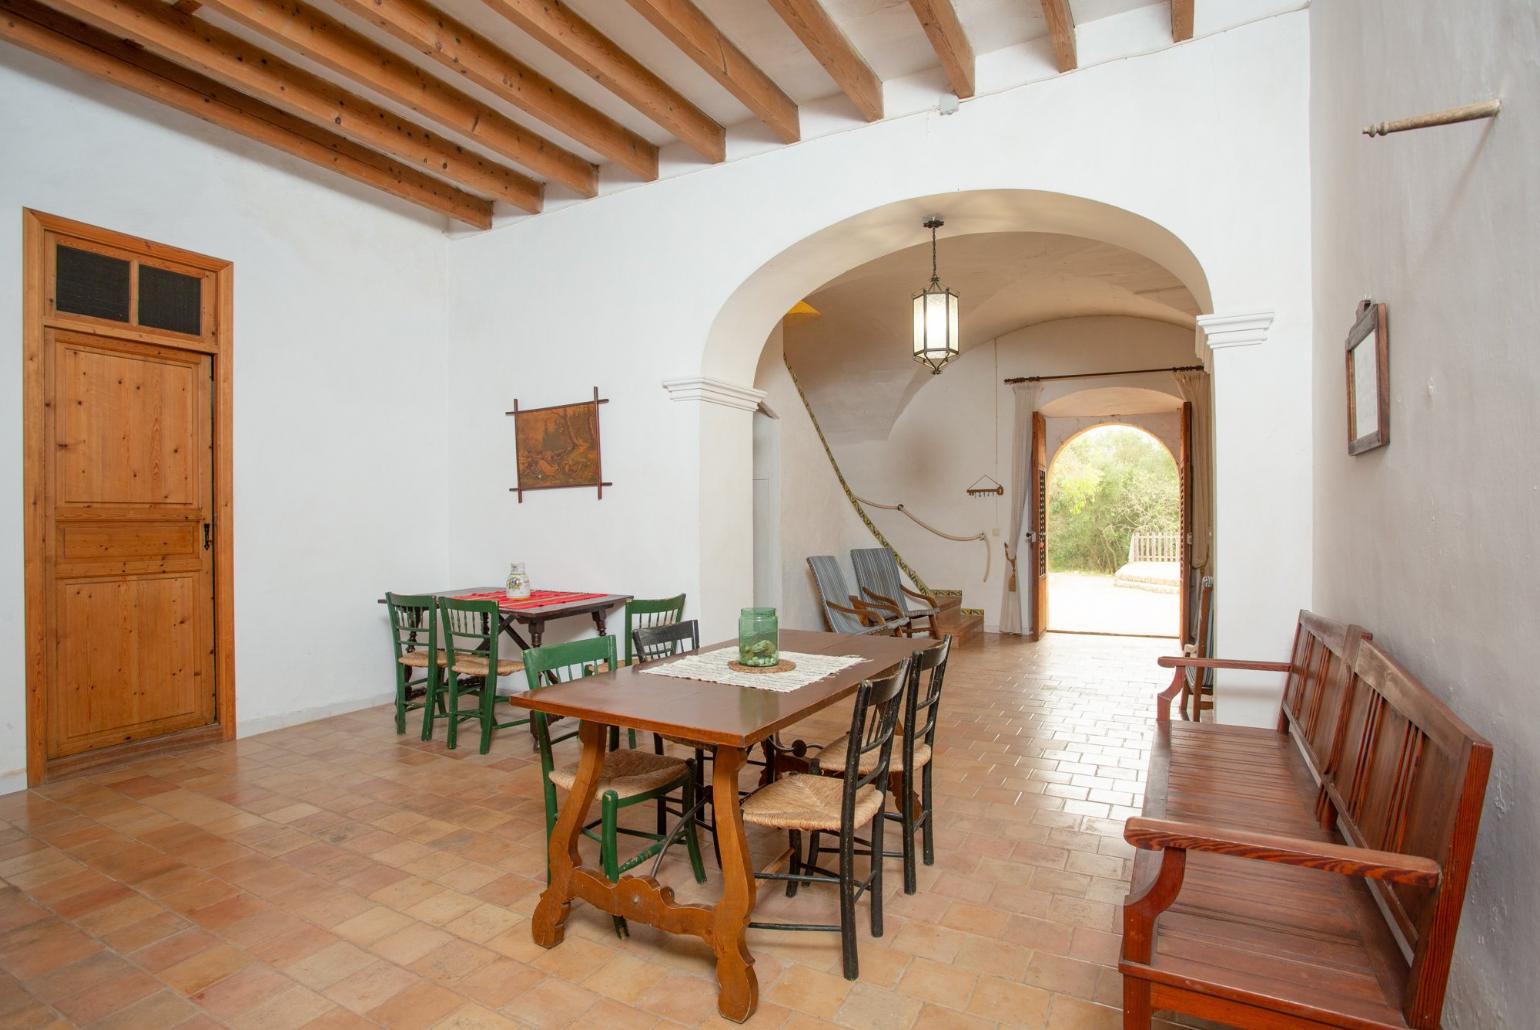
{"points": [[1026, 395], [1196, 388]]}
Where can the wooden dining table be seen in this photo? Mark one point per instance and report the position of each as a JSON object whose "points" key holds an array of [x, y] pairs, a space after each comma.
{"points": [[730, 719], [597, 607]]}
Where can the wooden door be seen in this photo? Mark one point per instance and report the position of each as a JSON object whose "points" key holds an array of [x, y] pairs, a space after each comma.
{"points": [[1038, 554], [1184, 473], [129, 537], [126, 407]]}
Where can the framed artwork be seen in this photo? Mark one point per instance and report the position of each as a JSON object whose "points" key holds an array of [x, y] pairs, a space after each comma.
{"points": [[1368, 379], [558, 446]]}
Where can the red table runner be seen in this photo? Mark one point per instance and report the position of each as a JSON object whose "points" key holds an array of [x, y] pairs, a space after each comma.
{"points": [[536, 598]]}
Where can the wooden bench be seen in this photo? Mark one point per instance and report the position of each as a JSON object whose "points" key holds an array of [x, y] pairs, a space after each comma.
{"points": [[1310, 875]]}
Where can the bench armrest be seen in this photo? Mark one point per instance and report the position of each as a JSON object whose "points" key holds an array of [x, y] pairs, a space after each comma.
{"points": [[929, 600], [1161, 834], [1183, 662]]}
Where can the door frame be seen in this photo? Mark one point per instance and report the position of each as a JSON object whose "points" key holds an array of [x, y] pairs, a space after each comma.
{"points": [[36, 320]]}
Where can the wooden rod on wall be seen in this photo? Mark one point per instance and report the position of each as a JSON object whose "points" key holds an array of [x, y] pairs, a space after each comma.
{"points": [[1468, 113], [1098, 375]]}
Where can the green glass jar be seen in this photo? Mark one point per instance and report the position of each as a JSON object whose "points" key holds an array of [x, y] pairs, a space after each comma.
{"points": [[759, 637]]}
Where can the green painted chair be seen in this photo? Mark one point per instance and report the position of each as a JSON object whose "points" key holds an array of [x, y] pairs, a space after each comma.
{"points": [[414, 636], [630, 777], [645, 614], [471, 630]]}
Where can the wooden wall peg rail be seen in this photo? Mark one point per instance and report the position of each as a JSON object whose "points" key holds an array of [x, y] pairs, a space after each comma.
{"points": [[1466, 113]]}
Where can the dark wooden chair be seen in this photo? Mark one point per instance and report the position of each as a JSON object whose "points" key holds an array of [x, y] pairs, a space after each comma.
{"points": [[653, 644], [912, 755], [882, 586], [1197, 695], [810, 802], [844, 612], [414, 639], [642, 613], [1312, 874]]}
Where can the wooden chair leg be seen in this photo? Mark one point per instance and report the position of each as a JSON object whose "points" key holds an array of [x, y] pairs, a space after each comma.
{"points": [[452, 736], [875, 893], [1136, 1004], [849, 960], [928, 806], [488, 711], [609, 847], [403, 677], [794, 839]]}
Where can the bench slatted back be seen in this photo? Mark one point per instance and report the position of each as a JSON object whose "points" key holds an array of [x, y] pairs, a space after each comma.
{"points": [[1410, 776], [1320, 671]]}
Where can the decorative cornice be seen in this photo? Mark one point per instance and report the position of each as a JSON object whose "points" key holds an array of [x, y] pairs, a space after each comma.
{"points": [[706, 390], [1242, 330]]}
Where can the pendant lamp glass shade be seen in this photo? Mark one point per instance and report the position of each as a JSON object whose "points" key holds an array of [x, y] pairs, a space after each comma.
{"points": [[935, 316]]}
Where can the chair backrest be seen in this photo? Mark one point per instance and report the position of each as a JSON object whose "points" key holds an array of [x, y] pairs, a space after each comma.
{"points": [[1410, 776], [832, 590], [1320, 668], [413, 625], [641, 612], [871, 731], [651, 643], [922, 706], [877, 576], [470, 628], [562, 663]]}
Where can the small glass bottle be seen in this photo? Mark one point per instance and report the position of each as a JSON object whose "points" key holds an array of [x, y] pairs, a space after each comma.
{"points": [[759, 637], [518, 580]]}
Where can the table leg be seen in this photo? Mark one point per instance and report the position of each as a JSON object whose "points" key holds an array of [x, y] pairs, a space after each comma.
{"points": [[642, 899], [599, 621], [738, 986], [562, 855]]}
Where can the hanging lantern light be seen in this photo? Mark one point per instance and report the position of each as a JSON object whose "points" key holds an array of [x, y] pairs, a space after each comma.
{"points": [[935, 315]]}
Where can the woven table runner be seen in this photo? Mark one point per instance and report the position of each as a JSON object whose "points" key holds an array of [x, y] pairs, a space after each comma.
{"points": [[536, 599], [711, 666]]}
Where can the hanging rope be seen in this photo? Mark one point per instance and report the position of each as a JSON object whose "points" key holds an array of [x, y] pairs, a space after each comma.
{"points": [[981, 537]]}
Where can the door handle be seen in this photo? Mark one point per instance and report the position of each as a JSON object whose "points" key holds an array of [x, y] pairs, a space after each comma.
{"points": [[207, 529]]}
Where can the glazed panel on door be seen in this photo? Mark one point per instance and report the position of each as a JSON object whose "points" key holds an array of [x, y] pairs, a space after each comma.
{"points": [[129, 507]]}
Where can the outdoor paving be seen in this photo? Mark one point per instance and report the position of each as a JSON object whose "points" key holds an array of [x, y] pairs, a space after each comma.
{"points": [[1082, 603]]}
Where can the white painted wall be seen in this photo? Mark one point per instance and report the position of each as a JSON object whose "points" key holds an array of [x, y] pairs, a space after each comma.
{"points": [[815, 515], [958, 427], [1431, 542], [339, 378], [687, 277]]}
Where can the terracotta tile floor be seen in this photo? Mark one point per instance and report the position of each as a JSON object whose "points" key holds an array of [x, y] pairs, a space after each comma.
{"points": [[334, 874]]}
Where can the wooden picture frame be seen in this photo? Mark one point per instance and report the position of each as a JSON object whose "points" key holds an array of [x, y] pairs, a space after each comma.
{"points": [[1368, 379], [557, 447]]}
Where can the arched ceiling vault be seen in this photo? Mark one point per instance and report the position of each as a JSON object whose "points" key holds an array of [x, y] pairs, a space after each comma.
{"points": [[854, 356]]}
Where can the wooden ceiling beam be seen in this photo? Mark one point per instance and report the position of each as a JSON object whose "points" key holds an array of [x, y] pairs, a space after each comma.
{"points": [[555, 26], [830, 48], [241, 65], [1061, 29], [431, 32], [76, 45], [939, 20], [692, 32], [1181, 20], [305, 30]]}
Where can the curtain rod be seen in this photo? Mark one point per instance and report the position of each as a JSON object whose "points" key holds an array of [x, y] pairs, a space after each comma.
{"points": [[1098, 375]]}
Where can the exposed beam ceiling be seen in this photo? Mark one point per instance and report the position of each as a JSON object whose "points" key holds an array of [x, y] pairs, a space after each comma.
{"points": [[945, 31], [466, 52], [1181, 20], [321, 38], [241, 65], [556, 27], [1061, 28], [72, 43], [693, 33], [830, 48]]}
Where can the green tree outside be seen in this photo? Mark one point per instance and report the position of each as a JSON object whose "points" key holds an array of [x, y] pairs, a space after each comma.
{"points": [[1106, 485]]}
